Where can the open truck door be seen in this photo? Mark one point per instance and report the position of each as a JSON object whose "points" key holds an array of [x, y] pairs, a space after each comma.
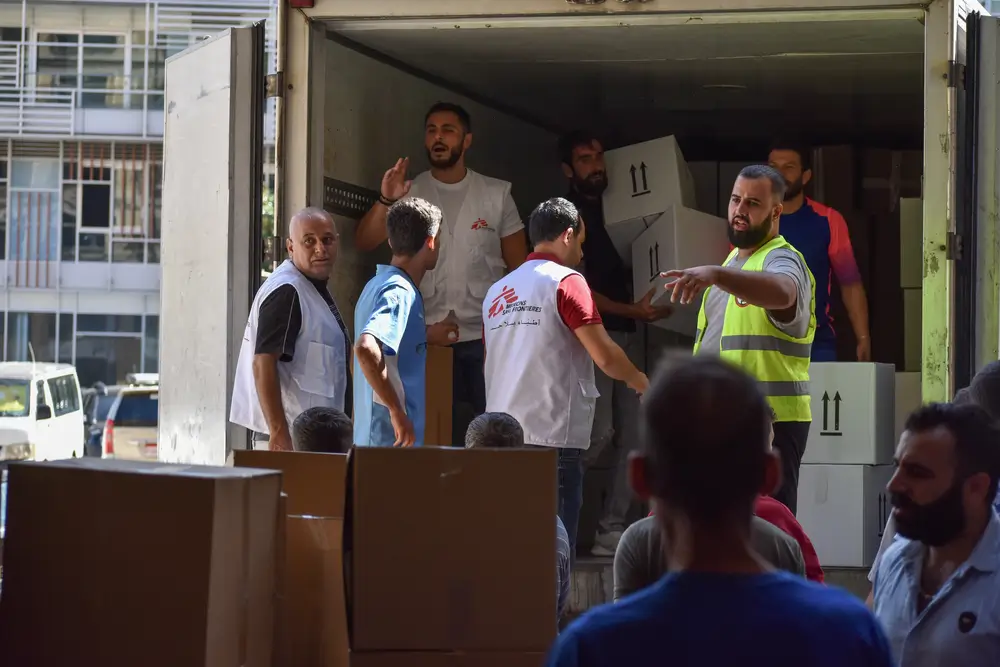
{"points": [[213, 150], [977, 224]]}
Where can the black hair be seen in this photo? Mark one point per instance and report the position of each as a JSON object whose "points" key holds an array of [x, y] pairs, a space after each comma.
{"points": [[984, 390], [409, 223], [322, 430], [494, 429], [803, 150], [551, 219], [758, 171], [463, 116], [573, 140], [706, 425], [977, 438]]}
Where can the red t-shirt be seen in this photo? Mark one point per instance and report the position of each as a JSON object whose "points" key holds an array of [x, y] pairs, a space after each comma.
{"points": [[574, 300], [779, 516]]}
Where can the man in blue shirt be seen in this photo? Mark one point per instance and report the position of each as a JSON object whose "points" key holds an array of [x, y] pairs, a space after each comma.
{"points": [[936, 586], [390, 354], [704, 457]]}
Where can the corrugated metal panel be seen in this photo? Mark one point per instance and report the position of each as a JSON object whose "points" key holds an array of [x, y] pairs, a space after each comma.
{"points": [[35, 149]]}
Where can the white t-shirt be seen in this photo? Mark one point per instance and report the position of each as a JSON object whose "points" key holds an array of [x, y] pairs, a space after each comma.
{"points": [[451, 196]]}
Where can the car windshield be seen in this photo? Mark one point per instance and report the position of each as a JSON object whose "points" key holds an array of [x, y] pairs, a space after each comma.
{"points": [[138, 409], [14, 398]]}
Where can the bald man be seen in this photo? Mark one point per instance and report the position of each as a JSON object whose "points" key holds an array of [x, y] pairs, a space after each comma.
{"points": [[296, 349]]}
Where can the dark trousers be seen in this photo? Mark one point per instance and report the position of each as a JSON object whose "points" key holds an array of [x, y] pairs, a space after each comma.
{"points": [[790, 441], [468, 388], [570, 486]]}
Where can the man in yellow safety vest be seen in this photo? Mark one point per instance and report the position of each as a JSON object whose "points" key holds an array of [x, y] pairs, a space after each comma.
{"points": [[758, 312]]}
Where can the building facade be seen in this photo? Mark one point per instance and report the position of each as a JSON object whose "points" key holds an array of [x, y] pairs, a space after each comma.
{"points": [[81, 161]]}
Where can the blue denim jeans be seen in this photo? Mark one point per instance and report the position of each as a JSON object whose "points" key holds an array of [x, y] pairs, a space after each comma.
{"points": [[570, 492]]}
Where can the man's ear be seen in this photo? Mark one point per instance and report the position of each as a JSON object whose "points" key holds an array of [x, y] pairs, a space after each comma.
{"points": [[638, 476], [807, 176], [567, 170], [431, 243]]}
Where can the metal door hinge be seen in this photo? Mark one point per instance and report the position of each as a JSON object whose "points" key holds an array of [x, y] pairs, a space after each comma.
{"points": [[274, 84], [956, 74], [953, 246]]}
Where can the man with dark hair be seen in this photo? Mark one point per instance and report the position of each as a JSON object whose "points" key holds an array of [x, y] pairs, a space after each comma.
{"points": [[757, 312], [703, 460], [820, 233], [499, 430], [296, 348], [543, 335], [322, 430], [482, 237], [935, 588], [391, 350], [617, 408]]}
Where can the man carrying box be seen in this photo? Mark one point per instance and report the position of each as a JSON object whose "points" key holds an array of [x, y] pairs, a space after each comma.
{"points": [[760, 314], [543, 335]]}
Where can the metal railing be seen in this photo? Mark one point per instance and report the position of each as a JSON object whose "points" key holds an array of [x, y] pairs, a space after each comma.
{"points": [[37, 112]]}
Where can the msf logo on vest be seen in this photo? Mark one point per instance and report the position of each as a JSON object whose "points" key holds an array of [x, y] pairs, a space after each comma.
{"points": [[481, 224], [508, 297]]}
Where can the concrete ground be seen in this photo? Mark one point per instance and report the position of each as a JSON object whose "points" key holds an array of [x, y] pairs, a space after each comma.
{"points": [[593, 583]]}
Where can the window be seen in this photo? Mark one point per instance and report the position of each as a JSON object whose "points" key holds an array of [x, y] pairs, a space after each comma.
{"points": [[69, 201], [40, 399], [104, 70], [110, 323], [65, 397], [14, 399], [31, 333], [151, 358], [138, 409], [108, 348], [34, 174], [65, 338], [58, 60]]}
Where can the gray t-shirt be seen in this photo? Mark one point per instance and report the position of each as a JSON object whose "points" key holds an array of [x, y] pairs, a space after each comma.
{"points": [[781, 261], [640, 560]]}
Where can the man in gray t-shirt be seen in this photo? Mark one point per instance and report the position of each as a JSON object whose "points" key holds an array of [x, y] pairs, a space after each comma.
{"points": [[783, 288], [640, 560]]}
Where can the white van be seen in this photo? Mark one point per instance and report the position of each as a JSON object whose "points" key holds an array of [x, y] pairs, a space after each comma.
{"points": [[41, 412]]}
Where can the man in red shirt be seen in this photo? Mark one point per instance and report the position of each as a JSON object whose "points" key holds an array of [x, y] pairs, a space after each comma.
{"points": [[543, 334], [776, 514]]}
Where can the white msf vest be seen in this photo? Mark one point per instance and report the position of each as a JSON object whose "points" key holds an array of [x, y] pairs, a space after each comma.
{"points": [[537, 370], [317, 374], [470, 259]]}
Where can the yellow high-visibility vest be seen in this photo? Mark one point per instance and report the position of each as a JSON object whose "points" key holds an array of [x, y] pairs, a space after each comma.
{"points": [[749, 340]]}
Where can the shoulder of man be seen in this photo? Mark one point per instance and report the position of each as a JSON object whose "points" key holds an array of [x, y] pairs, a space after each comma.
{"points": [[489, 181], [778, 547]]}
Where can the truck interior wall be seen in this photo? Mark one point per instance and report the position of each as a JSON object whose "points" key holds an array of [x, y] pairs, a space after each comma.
{"points": [[374, 115]]}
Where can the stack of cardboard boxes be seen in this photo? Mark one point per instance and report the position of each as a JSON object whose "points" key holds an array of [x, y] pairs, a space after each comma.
{"points": [[384, 558], [650, 213]]}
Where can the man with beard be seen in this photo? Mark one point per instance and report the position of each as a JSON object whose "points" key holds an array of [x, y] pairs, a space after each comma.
{"points": [[481, 237], [757, 312], [935, 588], [616, 411], [820, 234]]}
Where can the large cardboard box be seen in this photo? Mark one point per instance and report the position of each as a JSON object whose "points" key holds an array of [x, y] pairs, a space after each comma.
{"points": [[451, 550], [312, 631], [843, 509], [852, 413], [643, 181], [911, 242], [913, 329], [679, 239], [125, 563], [438, 393], [908, 399]]}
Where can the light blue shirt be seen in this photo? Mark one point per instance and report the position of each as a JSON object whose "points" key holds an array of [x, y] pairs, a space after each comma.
{"points": [[391, 309], [960, 627]]}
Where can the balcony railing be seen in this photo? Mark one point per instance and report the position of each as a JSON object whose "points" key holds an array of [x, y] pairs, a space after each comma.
{"points": [[37, 112]]}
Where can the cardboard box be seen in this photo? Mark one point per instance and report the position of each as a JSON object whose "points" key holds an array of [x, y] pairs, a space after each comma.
{"points": [[852, 413], [452, 550], [728, 173], [679, 239], [313, 610], [908, 399], [844, 509], [911, 243], [125, 563], [643, 181], [447, 659], [438, 394], [913, 329]]}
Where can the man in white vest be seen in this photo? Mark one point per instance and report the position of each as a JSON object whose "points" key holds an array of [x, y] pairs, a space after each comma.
{"points": [[543, 335], [481, 238], [296, 349]]}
